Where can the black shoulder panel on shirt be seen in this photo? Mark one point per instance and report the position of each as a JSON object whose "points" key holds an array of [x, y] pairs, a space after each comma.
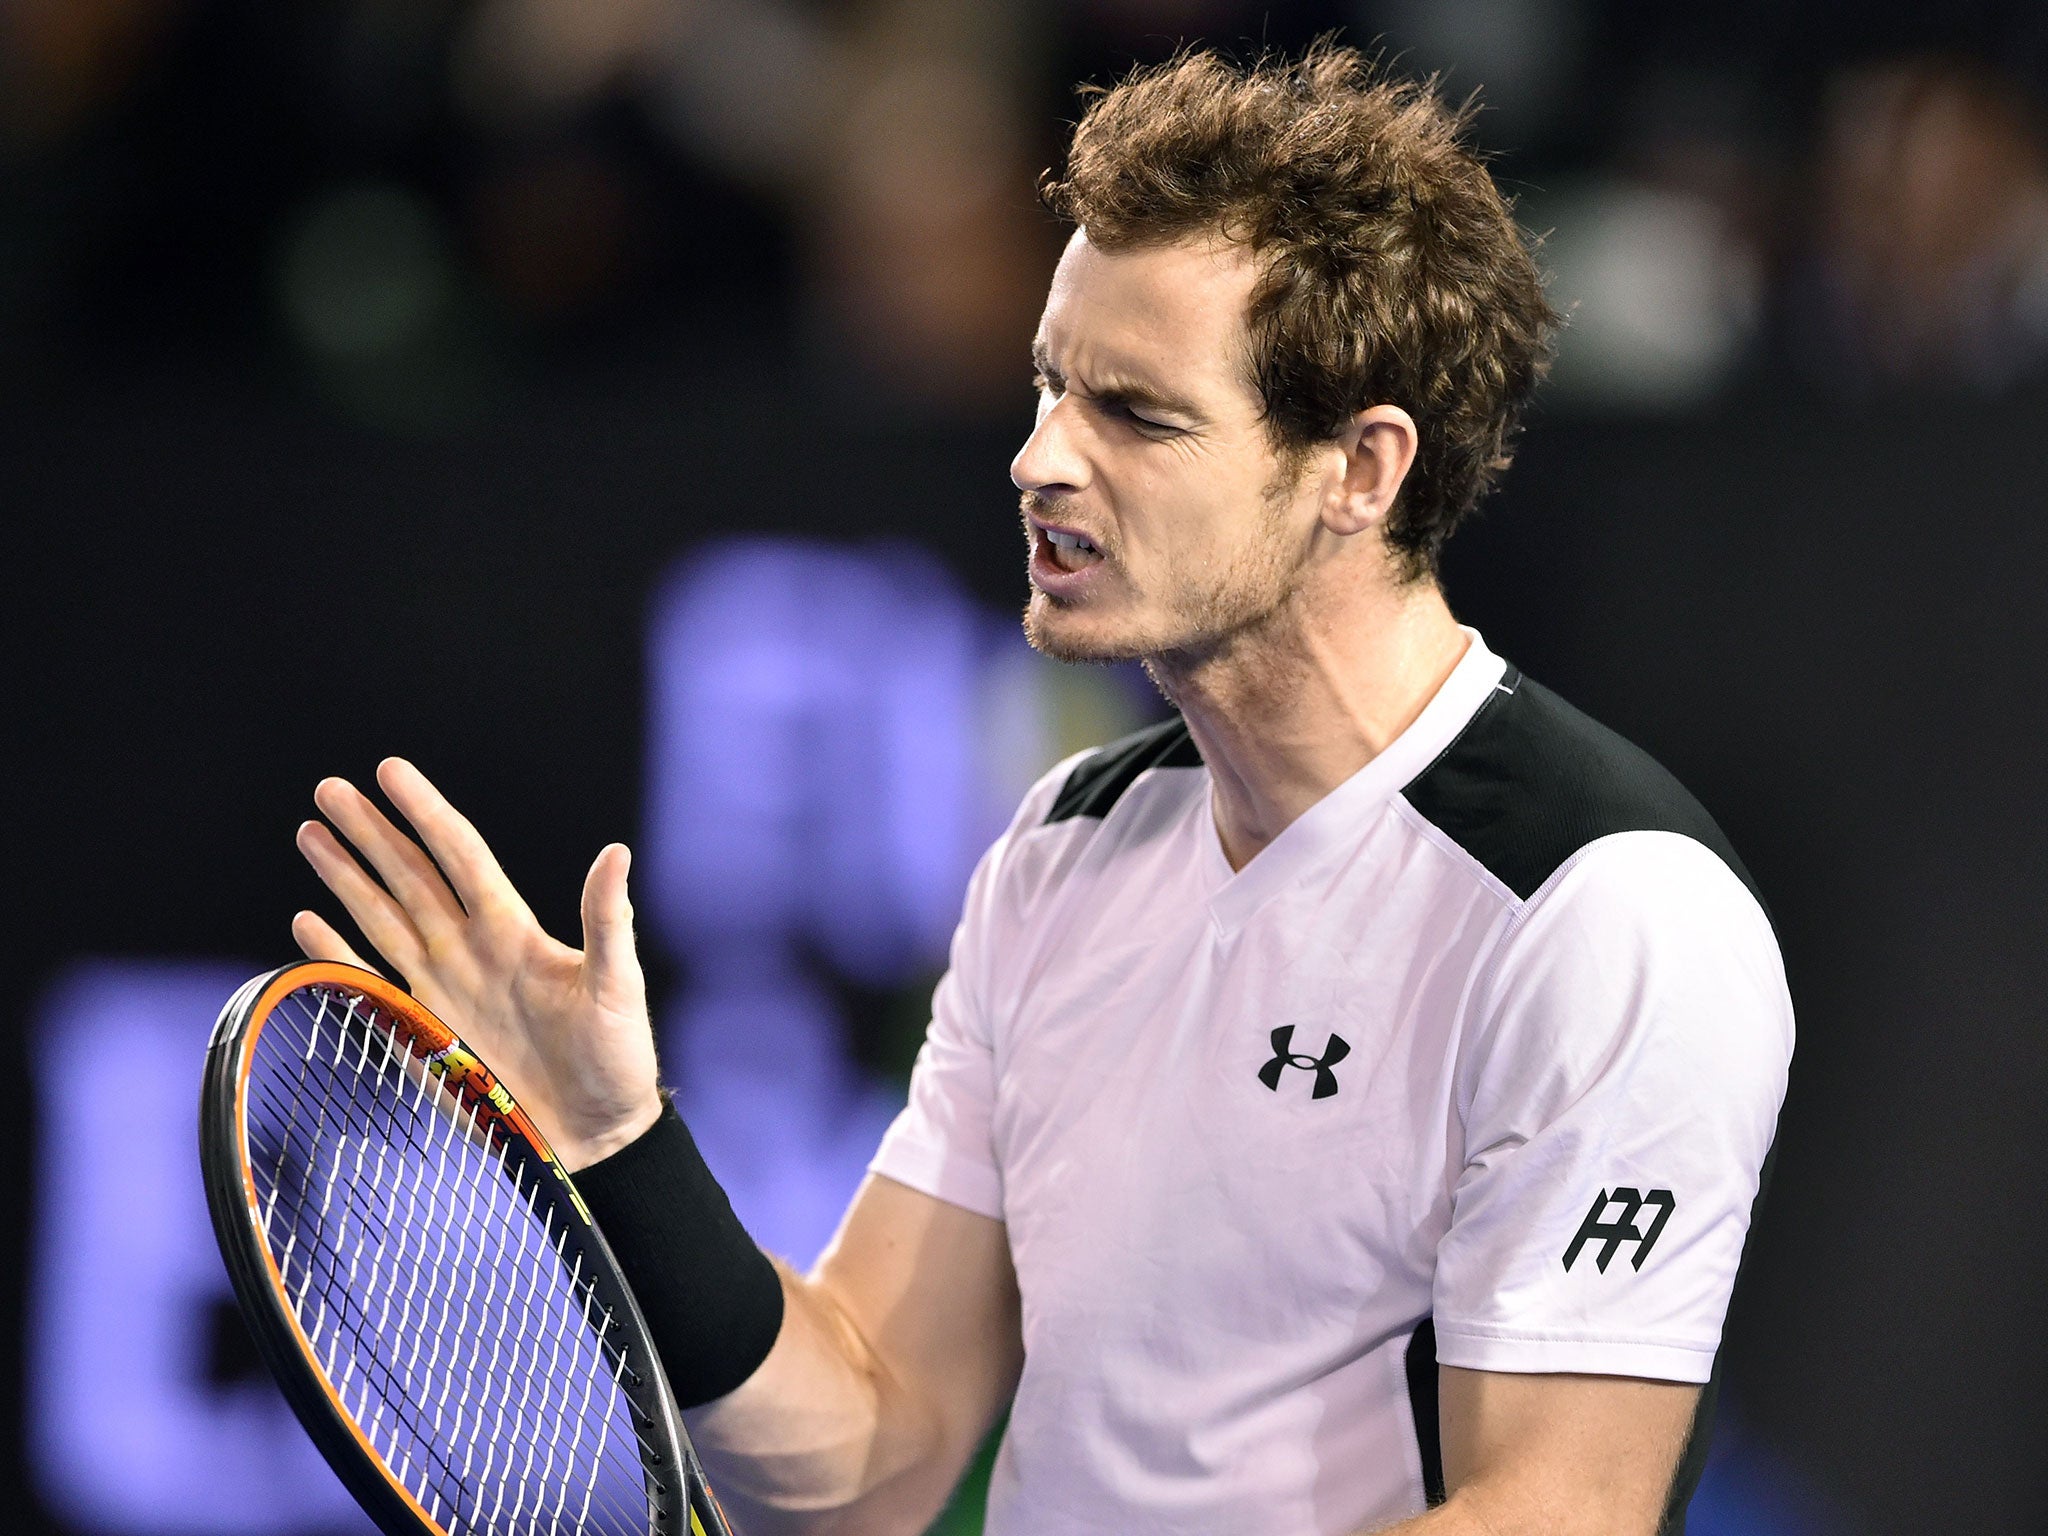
{"points": [[1530, 781], [1099, 779]]}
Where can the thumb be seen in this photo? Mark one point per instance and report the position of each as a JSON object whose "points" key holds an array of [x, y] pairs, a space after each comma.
{"points": [[610, 961]]}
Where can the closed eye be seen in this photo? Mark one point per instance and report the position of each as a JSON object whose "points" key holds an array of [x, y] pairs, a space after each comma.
{"points": [[1115, 406], [1125, 411]]}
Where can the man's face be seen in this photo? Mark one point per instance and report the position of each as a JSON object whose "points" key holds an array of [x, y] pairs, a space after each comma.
{"points": [[1150, 450]]}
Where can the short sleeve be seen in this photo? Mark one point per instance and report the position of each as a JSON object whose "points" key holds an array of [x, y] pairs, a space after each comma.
{"points": [[942, 1143], [1619, 1095]]}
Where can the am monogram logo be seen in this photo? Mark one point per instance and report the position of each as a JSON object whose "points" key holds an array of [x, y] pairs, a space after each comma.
{"points": [[1285, 1056], [1623, 1229]]}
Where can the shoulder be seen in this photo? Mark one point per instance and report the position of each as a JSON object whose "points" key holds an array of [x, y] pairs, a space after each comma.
{"points": [[1644, 965], [1639, 945], [1059, 828], [1056, 823], [1089, 786], [1531, 783]]}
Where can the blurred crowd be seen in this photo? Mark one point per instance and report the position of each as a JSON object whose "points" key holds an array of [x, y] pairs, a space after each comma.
{"points": [[409, 197]]}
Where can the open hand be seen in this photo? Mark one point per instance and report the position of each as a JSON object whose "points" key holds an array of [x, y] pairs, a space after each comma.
{"points": [[566, 1030]]}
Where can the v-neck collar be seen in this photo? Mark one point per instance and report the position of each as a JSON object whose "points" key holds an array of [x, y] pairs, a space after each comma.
{"points": [[1332, 823]]}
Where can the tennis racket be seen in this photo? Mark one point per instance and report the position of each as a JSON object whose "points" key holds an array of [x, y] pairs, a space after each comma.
{"points": [[423, 1279]]}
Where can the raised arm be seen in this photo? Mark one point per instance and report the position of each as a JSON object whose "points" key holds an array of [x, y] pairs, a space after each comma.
{"points": [[846, 1400]]}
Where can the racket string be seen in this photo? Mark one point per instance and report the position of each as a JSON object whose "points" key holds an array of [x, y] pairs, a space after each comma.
{"points": [[451, 1379], [379, 1378], [386, 1211], [532, 1331], [416, 1285], [291, 1123], [383, 1209]]}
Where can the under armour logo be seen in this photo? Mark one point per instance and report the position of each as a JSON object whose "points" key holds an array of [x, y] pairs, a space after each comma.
{"points": [[1284, 1056], [1623, 1228]]}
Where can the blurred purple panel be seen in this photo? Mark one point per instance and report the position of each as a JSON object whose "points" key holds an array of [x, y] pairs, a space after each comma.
{"points": [[127, 1280], [816, 790], [812, 738], [784, 1119]]}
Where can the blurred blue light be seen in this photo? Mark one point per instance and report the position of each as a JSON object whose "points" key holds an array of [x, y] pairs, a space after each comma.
{"points": [[783, 1116], [1750, 1491], [816, 791], [812, 733], [127, 1432]]}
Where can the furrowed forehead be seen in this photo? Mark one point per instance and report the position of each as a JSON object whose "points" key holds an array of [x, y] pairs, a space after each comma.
{"points": [[1164, 318]]}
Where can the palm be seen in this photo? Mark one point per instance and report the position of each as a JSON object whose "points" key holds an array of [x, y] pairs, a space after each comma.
{"points": [[565, 1029]]}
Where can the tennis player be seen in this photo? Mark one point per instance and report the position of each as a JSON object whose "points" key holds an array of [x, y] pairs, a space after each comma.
{"points": [[1346, 1102]]}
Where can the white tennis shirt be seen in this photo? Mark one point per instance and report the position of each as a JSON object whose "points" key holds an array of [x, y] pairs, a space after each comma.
{"points": [[1492, 1039]]}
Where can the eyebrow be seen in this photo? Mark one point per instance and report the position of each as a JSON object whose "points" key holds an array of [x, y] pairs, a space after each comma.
{"points": [[1115, 387]]}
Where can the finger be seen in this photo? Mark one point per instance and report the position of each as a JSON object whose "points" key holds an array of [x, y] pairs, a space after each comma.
{"points": [[408, 873], [456, 845], [612, 966], [381, 918], [318, 939]]}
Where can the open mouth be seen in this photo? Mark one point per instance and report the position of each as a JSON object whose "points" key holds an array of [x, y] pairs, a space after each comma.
{"points": [[1066, 551]]}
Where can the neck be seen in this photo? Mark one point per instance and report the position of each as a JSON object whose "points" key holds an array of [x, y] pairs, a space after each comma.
{"points": [[1289, 709]]}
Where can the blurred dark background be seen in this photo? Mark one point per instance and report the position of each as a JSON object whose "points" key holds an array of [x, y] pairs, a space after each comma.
{"points": [[607, 403]]}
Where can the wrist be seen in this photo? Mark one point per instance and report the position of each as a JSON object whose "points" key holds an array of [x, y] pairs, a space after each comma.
{"points": [[713, 1301], [580, 1152]]}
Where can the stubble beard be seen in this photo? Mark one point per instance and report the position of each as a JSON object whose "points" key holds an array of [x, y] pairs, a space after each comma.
{"points": [[1208, 613]]}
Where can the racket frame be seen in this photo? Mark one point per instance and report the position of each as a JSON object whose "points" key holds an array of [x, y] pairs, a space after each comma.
{"points": [[668, 1463]]}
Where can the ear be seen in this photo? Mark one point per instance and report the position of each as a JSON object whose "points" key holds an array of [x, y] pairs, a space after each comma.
{"points": [[1379, 446]]}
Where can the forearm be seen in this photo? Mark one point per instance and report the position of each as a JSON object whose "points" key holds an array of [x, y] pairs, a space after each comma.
{"points": [[789, 1405], [822, 1438], [1472, 1518], [1461, 1516], [1473, 1512], [846, 1400]]}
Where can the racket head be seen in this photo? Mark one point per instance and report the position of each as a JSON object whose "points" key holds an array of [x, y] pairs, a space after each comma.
{"points": [[318, 1071]]}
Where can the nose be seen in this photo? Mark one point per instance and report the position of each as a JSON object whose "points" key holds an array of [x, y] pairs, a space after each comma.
{"points": [[1050, 463]]}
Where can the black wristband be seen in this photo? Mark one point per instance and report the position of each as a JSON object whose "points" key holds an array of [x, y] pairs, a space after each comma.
{"points": [[712, 1301]]}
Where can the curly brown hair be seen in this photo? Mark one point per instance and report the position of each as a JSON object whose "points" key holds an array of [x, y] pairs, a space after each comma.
{"points": [[1394, 271]]}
